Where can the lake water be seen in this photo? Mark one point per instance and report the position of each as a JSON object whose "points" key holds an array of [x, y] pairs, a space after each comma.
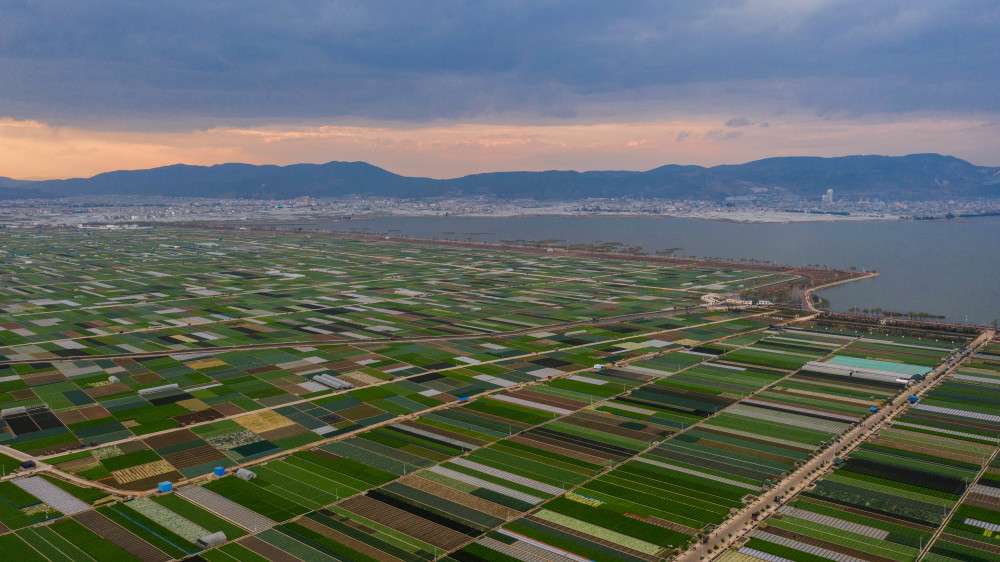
{"points": [[946, 268]]}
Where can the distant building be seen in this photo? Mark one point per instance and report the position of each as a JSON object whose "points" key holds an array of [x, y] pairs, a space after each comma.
{"points": [[828, 198]]}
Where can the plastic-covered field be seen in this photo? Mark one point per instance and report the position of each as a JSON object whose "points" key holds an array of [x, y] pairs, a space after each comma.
{"points": [[901, 368]]}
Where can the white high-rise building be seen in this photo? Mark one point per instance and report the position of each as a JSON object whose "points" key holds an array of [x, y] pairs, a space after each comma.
{"points": [[828, 198]]}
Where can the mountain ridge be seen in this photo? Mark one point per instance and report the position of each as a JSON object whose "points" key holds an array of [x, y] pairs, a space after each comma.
{"points": [[911, 177]]}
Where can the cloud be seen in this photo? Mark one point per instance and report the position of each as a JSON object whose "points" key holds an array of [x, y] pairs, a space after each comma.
{"points": [[738, 122], [158, 64], [721, 135], [31, 149]]}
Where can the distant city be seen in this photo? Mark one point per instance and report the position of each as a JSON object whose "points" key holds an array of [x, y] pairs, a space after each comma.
{"points": [[761, 206]]}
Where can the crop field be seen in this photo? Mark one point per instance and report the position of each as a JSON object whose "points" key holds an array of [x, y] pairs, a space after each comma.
{"points": [[485, 405], [163, 291], [925, 484]]}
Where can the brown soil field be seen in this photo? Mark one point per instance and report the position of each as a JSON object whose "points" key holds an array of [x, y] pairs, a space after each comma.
{"points": [[196, 417], [95, 412], [71, 416], [107, 390], [44, 378], [194, 456], [227, 408], [170, 438], [283, 432], [360, 412]]}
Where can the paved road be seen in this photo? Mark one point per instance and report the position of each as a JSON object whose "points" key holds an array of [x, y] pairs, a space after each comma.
{"points": [[731, 530], [807, 293]]}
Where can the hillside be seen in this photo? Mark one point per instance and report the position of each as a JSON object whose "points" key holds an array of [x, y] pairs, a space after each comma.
{"points": [[913, 177]]}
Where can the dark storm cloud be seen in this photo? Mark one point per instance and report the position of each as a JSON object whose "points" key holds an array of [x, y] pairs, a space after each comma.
{"points": [[414, 61]]}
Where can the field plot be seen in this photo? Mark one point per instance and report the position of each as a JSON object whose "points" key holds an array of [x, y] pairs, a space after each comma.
{"points": [[665, 493], [170, 290], [890, 496], [522, 448], [394, 402], [781, 352], [457, 497], [971, 532], [270, 430]]}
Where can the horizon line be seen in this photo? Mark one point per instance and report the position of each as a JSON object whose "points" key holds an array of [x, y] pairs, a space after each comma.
{"points": [[489, 172]]}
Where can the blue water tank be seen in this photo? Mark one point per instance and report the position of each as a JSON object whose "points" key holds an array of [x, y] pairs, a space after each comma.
{"points": [[220, 471], [165, 486]]}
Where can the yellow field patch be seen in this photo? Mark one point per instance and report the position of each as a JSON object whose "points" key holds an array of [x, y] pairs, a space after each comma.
{"points": [[184, 339], [206, 364], [685, 341], [360, 379], [79, 465], [147, 470], [631, 345], [194, 404], [266, 420]]}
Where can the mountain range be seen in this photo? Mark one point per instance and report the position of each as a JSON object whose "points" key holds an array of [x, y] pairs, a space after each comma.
{"points": [[913, 177]]}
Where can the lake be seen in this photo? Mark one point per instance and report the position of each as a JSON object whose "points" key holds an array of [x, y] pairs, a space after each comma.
{"points": [[945, 268]]}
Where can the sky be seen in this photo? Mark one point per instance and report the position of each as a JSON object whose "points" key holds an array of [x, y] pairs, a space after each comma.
{"points": [[444, 89]]}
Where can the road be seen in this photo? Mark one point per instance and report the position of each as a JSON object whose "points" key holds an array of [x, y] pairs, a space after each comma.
{"points": [[733, 529], [807, 293]]}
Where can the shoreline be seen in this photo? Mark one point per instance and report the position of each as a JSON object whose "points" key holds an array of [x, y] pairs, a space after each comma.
{"points": [[768, 217], [299, 216], [807, 294]]}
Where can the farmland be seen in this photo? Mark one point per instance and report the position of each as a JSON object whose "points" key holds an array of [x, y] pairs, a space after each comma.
{"points": [[466, 419], [921, 488]]}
